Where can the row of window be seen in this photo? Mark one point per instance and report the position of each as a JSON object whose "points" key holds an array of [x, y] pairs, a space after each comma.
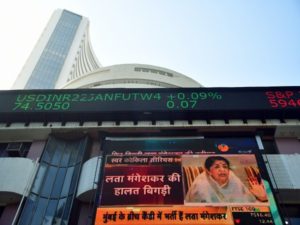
{"points": [[54, 187], [131, 81], [51, 61], [148, 70], [46, 211], [14, 149]]}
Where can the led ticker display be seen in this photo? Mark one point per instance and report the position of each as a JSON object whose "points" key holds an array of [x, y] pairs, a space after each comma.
{"points": [[220, 182], [283, 99], [201, 102]]}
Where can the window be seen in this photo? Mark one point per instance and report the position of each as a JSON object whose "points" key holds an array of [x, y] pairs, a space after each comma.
{"points": [[14, 149], [55, 184], [142, 69], [1, 210], [55, 52]]}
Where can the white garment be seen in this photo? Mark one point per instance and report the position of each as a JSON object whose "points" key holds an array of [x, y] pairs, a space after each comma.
{"points": [[205, 189]]}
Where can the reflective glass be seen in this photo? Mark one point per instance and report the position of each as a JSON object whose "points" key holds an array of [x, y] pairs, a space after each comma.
{"points": [[39, 212], [64, 222], [54, 186], [60, 210], [29, 208], [50, 212], [57, 156], [81, 152], [74, 153], [65, 157], [68, 179], [39, 178], [48, 154], [74, 179], [49, 180], [59, 181], [68, 208], [56, 49]]}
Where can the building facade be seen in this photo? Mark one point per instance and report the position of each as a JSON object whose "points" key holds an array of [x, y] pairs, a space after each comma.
{"points": [[57, 148], [63, 50], [66, 154]]}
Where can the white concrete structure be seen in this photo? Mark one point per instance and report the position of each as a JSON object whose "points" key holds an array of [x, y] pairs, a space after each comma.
{"points": [[16, 175], [132, 76]]}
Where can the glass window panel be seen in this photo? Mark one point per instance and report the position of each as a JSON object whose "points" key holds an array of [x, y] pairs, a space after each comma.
{"points": [[74, 153], [57, 155], [68, 179], [59, 181], [28, 209], [48, 153], [3, 146], [81, 151], [59, 42], [59, 211], [74, 179], [68, 208], [40, 211], [49, 180], [64, 222], [48, 220], [57, 221], [50, 212], [39, 178], [65, 158]]}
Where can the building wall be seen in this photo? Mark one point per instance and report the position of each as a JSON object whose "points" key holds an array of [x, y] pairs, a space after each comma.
{"points": [[36, 150], [281, 166], [85, 216], [288, 145], [132, 76], [8, 214]]}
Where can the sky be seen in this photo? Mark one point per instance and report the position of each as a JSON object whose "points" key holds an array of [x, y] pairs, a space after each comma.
{"points": [[219, 43]]}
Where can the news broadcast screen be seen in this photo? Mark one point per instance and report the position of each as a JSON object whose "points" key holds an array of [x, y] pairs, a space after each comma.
{"points": [[185, 181]]}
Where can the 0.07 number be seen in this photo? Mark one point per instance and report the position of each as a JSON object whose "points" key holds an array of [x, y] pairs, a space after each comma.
{"points": [[182, 104]]}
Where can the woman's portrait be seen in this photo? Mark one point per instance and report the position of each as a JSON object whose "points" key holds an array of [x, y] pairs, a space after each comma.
{"points": [[223, 179]]}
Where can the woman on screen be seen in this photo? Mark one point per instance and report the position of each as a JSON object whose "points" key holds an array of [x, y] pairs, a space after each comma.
{"points": [[219, 184]]}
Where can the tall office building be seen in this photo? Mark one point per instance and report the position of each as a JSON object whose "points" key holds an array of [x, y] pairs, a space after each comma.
{"points": [[124, 144], [62, 51], [63, 58]]}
